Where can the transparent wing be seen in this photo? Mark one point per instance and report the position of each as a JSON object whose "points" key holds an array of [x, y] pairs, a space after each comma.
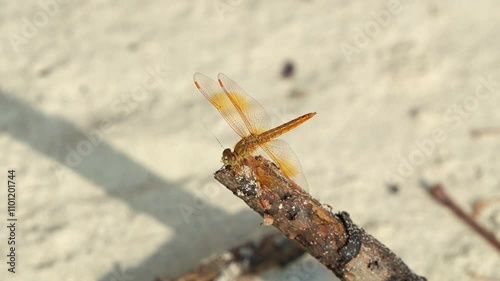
{"points": [[216, 95], [253, 114], [282, 154]]}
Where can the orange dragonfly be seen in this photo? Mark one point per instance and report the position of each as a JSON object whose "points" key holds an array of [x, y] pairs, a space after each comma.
{"points": [[252, 123]]}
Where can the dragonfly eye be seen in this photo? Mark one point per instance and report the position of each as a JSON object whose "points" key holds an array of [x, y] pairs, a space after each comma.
{"points": [[228, 156]]}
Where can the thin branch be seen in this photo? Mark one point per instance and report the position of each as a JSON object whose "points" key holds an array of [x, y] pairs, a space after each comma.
{"points": [[343, 247], [484, 132], [439, 194]]}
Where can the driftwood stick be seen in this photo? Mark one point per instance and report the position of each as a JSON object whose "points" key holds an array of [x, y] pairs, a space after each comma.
{"points": [[333, 239], [242, 261]]}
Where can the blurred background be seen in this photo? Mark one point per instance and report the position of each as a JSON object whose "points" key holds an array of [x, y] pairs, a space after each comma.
{"points": [[115, 148]]}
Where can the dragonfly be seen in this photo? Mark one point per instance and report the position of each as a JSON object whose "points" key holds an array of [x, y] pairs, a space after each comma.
{"points": [[252, 123]]}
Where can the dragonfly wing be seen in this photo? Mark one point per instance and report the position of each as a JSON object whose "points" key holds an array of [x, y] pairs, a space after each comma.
{"points": [[282, 154], [216, 95], [251, 111]]}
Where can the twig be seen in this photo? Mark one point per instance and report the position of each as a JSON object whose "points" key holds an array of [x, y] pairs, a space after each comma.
{"points": [[484, 131], [437, 192], [479, 205], [245, 260], [344, 248], [479, 277]]}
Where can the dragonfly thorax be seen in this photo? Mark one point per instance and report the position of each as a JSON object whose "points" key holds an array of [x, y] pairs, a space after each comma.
{"points": [[246, 145], [242, 149]]}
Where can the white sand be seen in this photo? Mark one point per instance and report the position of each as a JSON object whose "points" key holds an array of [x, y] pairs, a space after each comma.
{"points": [[115, 213]]}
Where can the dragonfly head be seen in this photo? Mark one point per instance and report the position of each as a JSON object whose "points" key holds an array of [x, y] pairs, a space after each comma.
{"points": [[228, 157]]}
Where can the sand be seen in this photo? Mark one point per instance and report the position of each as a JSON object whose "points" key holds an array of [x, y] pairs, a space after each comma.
{"points": [[114, 147]]}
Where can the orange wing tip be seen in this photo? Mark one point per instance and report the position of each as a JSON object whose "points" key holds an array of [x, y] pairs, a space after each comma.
{"points": [[197, 85], [220, 83]]}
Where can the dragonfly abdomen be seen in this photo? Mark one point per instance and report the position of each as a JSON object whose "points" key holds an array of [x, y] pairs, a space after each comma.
{"points": [[280, 130]]}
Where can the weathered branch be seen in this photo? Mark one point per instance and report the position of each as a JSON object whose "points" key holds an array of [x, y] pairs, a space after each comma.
{"points": [[347, 250], [244, 260]]}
